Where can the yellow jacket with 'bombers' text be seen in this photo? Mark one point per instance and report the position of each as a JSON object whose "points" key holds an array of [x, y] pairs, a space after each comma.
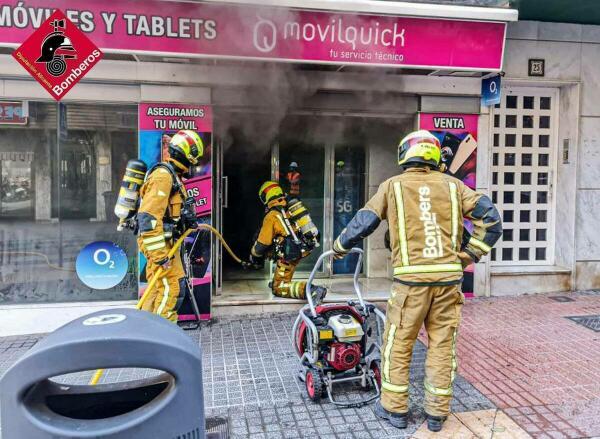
{"points": [[425, 210]]}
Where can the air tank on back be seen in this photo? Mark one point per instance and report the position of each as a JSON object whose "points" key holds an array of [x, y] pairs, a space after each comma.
{"points": [[301, 217], [129, 194]]}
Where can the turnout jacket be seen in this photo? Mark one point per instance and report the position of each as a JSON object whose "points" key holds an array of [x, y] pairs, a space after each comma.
{"points": [[273, 228], [159, 211], [425, 209]]}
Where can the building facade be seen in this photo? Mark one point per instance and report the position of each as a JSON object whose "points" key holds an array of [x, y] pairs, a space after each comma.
{"points": [[339, 121]]}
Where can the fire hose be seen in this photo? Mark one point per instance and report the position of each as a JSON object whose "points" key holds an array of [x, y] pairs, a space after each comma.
{"points": [[160, 270]]}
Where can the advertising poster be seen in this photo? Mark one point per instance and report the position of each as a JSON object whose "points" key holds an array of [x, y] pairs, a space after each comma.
{"points": [[157, 123], [457, 134]]}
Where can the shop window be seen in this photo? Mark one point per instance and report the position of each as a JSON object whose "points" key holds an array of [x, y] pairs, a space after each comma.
{"points": [[58, 195]]}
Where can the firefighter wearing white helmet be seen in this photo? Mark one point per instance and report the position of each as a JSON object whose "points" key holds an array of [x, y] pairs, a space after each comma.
{"points": [[161, 217], [425, 210]]}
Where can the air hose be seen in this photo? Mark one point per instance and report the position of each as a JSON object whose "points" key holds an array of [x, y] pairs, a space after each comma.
{"points": [[159, 272]]}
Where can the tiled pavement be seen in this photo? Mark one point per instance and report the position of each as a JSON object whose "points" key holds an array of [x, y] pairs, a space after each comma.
{"points": [[521, 355]]}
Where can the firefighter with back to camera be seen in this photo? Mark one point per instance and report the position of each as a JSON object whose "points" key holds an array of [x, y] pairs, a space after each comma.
{"points": [[287, 235], [424, 209], [164, 214]]}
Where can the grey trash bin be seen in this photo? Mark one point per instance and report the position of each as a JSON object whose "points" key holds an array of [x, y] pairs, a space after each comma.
{"points": [[167, 406]]}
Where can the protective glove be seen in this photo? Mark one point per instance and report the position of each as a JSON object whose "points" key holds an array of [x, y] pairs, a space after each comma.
{"points": [[465, 259], [165, 264], [339, 251], [256, 262]]}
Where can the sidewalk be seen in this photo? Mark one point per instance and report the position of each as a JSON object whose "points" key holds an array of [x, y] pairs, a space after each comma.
{"points": [[526, 370]]}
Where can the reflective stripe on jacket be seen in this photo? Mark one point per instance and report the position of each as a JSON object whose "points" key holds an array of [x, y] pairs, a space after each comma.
{"points": [[158, 203], [425, 210]]}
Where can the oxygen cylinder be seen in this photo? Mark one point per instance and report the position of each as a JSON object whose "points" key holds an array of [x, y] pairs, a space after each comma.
{"points": [[126, 206], [300, 216]]}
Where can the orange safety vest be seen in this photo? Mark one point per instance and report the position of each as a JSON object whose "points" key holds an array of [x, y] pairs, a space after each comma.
{"points": [[293, 179]]}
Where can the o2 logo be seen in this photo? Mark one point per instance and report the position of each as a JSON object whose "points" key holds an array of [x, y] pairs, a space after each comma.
{"points": [[101, 265]]}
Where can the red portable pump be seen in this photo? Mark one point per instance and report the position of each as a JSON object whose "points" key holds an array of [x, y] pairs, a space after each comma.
{"points": [[339, 342]]}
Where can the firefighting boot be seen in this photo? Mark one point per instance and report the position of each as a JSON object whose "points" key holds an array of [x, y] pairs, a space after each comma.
{"points": [[435, 423], [398, 420], [318, 294]]}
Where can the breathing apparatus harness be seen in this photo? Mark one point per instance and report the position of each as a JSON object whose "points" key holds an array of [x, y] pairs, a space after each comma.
{"points": [[299, 240]]}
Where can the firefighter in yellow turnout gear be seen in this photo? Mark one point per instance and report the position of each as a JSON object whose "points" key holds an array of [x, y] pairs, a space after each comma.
{"points": [[160, 219], [424, 209], [280, 238]]}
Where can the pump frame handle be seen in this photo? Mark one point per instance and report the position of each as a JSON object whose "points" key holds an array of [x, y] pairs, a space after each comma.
{"points": [[318, 264]]}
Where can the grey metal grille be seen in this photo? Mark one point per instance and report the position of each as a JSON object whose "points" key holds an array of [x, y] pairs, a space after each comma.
{"points": [[562, 299], [217, 428], [591, 322]]}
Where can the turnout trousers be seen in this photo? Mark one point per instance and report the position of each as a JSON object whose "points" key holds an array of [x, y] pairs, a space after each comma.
{"points": [[283, 285], [409, 307], [163, 299]]}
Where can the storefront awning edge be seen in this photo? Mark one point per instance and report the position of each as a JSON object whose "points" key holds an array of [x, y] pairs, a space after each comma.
{"points": [[389, 8]]}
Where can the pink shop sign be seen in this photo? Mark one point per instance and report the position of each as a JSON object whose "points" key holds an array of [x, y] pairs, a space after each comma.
{"points": [[213, 30]]}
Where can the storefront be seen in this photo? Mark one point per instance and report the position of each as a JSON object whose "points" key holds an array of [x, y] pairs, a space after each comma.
{"points": [[331, 89]]}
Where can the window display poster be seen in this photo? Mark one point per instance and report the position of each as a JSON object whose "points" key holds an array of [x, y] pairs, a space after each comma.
{"points": [[457, 134], [157, 123]]}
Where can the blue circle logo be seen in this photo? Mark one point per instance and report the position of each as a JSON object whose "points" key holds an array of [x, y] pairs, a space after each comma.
{"points": [[101, 265]]}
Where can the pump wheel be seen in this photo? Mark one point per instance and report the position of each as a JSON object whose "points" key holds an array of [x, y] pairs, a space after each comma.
{"points": [[314, 385], [375, 367]]}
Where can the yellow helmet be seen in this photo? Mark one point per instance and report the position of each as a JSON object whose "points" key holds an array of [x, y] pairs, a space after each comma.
{"points": [[186, 148], [420, 147], [270, 190]]}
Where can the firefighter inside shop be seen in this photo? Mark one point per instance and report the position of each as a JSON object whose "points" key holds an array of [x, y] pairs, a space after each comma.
{"points": [[165, 212], [293, 178], [424, 209], [287, 236]]}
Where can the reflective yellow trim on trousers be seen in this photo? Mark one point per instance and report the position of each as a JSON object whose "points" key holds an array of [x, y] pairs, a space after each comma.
{"points": [[388, 350], [437, 391], [480, 244], [454, 361], [401, 223], [165, 297], [455, 219], [393, 387], [433, 268]]}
